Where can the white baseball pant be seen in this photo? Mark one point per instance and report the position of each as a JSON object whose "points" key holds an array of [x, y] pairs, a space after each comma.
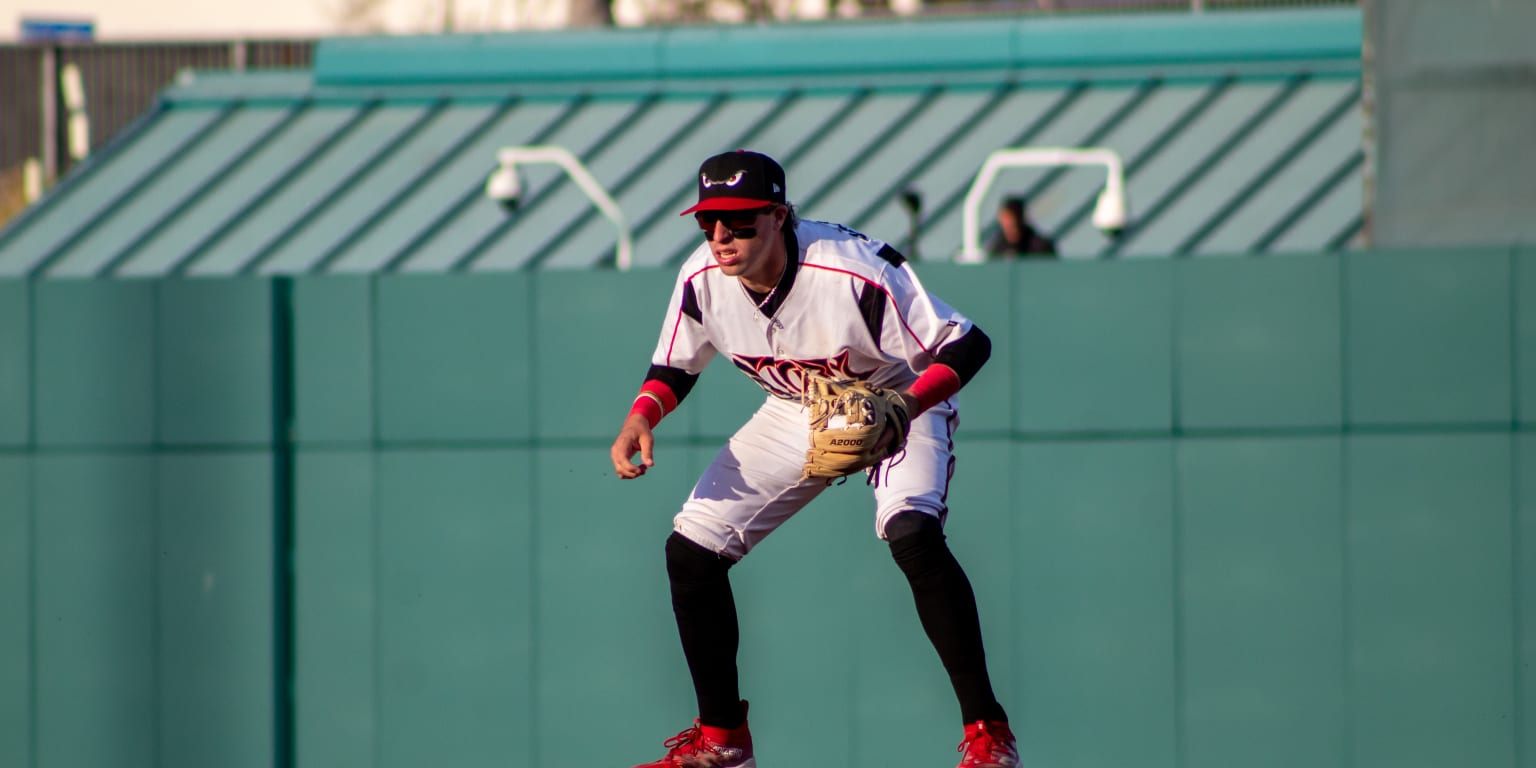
{"points": [[753, 484]]}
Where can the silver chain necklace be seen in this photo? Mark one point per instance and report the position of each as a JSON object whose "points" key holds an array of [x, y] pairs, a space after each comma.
{"points": [[771, 291], [766, 298]]}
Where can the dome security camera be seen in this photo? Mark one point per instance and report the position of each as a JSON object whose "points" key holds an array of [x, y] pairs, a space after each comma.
{"points": [[504, 187], [1109, 214]]}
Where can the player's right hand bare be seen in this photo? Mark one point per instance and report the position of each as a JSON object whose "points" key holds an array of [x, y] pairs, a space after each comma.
{"points": [[635, 435]]}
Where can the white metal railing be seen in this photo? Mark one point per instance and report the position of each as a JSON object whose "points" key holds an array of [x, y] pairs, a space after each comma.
{"points": [[1109, 213], [505, 187]]}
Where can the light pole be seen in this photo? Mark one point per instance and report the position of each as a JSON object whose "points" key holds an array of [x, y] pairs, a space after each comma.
{"points": [[1109, 214], [505, 187]]}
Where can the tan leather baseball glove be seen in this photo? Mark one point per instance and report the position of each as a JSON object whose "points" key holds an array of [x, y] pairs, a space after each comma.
{"points": [[847, 421]]}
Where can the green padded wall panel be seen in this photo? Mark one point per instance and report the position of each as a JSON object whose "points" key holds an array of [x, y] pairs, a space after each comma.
{"points": [[440, 620], [453, 357], [1430, 599], [16, 590], [1259, 343], [454, 608], [15, 362], [95, 362], [98, 611], [597, 329], [1094, 582], [1262, 602], [334, 535], [215, 598], [1428, 336], [333, 366], [1525, 334], [982, 292], [606, 643], [214, 339], [1092, 346], [1525, 587]]}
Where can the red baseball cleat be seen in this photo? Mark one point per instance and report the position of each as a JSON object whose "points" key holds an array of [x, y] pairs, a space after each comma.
{"points": [[988, 745], [705, 746]]}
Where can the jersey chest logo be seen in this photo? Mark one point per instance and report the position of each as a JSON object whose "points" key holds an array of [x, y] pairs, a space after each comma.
{"points": [[786, 378]]}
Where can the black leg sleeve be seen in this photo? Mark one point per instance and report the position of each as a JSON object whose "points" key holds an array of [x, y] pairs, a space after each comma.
{"points": [[706, 623], [946, 606]]}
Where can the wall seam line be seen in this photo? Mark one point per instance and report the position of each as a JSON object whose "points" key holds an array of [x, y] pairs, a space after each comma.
{"points": [[1516, 573], [376, 529], [531, 304], [1346, 634], [157, 747], [1180, 718], [32, 523]]}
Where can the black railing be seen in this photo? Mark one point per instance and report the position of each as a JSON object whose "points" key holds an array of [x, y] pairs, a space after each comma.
{"points": [[120, 81]]}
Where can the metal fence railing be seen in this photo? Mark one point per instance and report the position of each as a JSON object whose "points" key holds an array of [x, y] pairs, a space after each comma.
{"points": [[961, 7], [120, 83], [1192, 5], [21, 72]]}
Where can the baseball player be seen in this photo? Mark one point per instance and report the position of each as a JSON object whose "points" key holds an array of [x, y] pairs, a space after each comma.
{"points": [[787, 300]]}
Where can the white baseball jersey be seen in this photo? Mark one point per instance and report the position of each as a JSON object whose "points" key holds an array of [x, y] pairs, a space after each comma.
{"points": [[854, 310], [850, 308]]}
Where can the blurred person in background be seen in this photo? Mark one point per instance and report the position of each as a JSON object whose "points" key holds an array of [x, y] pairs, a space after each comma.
{"points": [[1016, 238]]}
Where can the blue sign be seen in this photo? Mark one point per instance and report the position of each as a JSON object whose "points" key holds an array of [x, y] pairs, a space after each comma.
{"points": [[57, 31]]}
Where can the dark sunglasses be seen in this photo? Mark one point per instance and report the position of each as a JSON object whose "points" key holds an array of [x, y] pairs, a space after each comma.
{"points": [[741, 224]]}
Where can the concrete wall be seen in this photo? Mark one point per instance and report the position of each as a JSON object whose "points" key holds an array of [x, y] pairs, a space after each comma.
{"points": [[1455, 90]]}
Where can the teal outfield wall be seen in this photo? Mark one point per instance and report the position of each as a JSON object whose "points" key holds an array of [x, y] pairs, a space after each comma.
{"points": [[1219, 513]]}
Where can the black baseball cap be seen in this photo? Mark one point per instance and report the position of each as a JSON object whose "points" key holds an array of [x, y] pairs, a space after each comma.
{"points": [[739, 181]]}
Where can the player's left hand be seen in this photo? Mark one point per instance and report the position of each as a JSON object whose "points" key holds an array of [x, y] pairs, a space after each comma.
{"points": [[853, 426], [884, 445]]}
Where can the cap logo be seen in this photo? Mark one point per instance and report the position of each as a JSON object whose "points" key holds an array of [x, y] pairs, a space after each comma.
{"points": [[729, 182]]}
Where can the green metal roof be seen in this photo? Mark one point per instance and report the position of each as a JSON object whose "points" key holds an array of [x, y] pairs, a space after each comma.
{"points": [[1240, 133]]}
